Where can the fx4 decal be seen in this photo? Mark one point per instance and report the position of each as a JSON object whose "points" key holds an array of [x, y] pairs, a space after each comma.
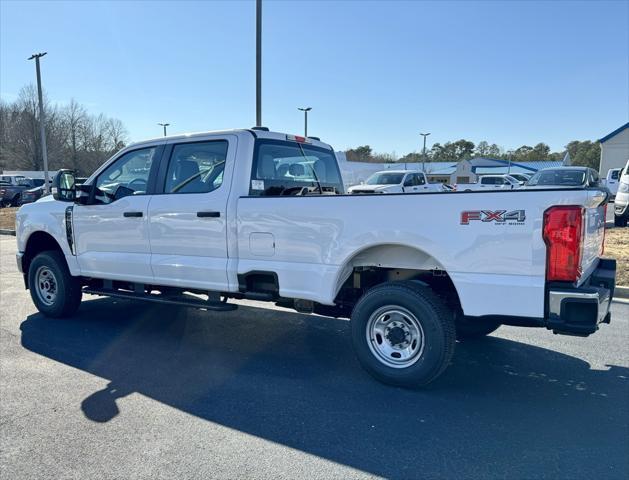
{"points": [[498, 216]]}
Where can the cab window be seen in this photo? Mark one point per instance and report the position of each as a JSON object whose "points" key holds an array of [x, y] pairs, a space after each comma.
{"points": [[196, 167], [128, 175], [290, 168]]}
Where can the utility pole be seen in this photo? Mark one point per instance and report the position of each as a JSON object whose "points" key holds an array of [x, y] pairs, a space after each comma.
{"points": [[305, 110], [42, 121], [164, 125], [258, 63], [424, 154]]}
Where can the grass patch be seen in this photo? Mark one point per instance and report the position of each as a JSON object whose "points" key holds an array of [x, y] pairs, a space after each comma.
{"points": [[617, 246], [7, 218]]}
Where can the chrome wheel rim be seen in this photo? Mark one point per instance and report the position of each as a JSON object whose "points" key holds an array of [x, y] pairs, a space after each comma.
{"points": [[395, 336], [46, 285]]}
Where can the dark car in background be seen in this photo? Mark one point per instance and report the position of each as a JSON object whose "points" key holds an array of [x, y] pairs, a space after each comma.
{"points": [[566, 177], [11, 194]]}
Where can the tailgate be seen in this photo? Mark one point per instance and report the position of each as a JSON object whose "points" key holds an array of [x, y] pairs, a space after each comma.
{"points": [[593, 232]]}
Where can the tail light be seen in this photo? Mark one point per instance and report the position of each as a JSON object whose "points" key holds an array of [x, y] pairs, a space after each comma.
{"points": [[563, 234]]}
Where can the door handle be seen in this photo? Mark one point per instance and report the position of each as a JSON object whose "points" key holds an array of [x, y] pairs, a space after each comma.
{"points": [[208, 214], [132, 214]]}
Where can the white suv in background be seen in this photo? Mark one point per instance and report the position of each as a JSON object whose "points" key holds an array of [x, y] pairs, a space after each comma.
{"points": [[621, 204], [612, 181]]}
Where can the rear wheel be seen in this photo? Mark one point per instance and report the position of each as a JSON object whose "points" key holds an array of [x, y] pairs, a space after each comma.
{"points": [[403, 334], [474, 328], [54, 291]]}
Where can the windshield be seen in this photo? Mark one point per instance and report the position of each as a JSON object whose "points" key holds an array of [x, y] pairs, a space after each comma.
{"points": [[559, 177], [385, 179]]}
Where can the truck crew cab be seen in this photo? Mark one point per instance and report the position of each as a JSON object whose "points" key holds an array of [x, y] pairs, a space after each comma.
{"points": [[199, 220]]}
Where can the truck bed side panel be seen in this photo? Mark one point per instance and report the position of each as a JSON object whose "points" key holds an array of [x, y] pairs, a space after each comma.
{"points": [[495, 261]]}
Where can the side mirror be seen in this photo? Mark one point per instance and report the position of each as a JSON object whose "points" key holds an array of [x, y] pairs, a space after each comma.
{"points": [[63, 188]]}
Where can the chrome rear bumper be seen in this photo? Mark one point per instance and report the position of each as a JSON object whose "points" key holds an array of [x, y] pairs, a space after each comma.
{"points": [[579, 311]]}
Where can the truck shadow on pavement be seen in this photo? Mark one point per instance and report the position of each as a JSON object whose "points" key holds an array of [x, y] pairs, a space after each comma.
{"points": [[503, 408]]}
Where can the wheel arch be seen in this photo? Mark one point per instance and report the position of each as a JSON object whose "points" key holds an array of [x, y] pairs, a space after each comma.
{"points": [[36, 243], [398, 261]]}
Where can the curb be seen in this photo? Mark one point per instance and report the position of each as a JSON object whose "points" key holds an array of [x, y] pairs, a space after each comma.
{"points": [[7, 232], [621, 292]]}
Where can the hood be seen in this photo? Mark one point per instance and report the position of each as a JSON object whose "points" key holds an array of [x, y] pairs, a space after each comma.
{"points": [[371, 188]]}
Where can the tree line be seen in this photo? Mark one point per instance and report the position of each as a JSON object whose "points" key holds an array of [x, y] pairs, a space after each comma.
{"points": [[585, 153], [74, 138]]}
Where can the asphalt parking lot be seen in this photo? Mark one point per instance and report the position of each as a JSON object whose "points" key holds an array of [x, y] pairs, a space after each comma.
{"points": [[128, 390]]}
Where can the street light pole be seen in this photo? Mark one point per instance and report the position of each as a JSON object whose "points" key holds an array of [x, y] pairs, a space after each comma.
{"points": [[164, 125], [424, 152], [305, 110], [258, 63], [42, 121]]}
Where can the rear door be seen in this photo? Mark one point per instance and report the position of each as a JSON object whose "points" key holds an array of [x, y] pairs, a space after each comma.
{"points": [[188, 224]]}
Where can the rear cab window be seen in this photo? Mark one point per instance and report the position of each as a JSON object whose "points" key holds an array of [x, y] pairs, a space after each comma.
{"points": [[285, 168]]}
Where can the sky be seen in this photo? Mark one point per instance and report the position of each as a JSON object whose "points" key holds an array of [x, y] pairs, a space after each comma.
{"points": [[374, 72]]}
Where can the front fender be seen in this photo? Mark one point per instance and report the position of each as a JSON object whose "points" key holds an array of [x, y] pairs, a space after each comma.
{"points": [[47, 216]]}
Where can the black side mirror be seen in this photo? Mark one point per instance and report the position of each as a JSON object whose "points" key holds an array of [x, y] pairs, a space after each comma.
{"points": [[63, 188]]}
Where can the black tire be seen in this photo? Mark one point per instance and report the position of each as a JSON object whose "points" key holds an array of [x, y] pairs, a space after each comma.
{"points": [[620, 221], [474, 328], [437, 329], [67, 289], [16, 200]]}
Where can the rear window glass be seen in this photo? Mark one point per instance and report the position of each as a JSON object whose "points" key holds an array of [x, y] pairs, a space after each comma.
{"points": [[196, 167], [282, 168], [572, 178]]}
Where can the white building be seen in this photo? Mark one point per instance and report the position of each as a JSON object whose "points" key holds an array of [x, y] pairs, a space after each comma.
{"points": [[614, 150]]}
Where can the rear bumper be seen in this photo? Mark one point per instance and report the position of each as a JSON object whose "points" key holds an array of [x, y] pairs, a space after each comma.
{"points": [[579, 311]]}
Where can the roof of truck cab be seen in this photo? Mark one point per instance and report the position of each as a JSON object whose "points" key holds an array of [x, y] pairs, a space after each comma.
{"points": [[256, 133]]}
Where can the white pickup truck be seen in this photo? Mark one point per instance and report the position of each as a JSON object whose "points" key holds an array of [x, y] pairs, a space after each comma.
{"points": [[198, 220], [396, 181]]}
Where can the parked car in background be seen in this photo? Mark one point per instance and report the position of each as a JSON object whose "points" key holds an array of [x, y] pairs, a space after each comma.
{"points": [[396, 181], [12, 179], [11, 194], [521, 177], [612, 180], [621, 204], [490, 182], [565, 177]]}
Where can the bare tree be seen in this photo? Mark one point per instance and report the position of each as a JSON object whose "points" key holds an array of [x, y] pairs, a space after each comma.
{"points": [[75, 138]]}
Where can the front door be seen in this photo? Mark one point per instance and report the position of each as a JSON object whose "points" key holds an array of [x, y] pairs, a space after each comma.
{"points": [[187, 216], [111, 233]]}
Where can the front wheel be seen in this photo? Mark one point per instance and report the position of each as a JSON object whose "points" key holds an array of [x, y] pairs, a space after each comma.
{"points": [[403, 334], [54, 291]]}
